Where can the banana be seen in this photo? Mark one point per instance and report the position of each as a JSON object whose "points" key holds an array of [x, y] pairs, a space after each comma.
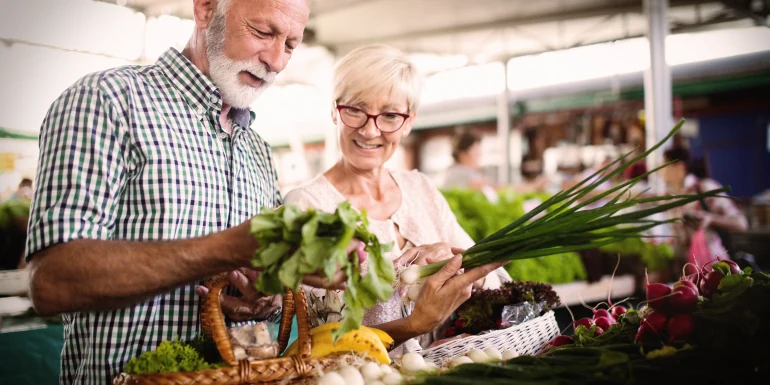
{"points": [[365, 341]]}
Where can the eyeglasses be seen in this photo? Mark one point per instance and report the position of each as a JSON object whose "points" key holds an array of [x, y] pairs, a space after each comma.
{"points": [[386, 122]]}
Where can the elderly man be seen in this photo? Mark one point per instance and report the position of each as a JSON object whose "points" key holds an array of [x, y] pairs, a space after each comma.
{"points": [[147, 178]]}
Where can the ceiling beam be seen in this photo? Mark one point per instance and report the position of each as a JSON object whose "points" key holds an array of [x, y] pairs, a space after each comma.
{"points": [[624, 6], [743, 9]]}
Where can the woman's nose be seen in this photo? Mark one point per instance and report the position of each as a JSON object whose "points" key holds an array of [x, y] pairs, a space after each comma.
{"points": [[369, 130]]}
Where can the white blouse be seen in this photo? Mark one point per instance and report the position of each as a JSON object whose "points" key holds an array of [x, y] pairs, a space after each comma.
{"points": [[423, 218]]}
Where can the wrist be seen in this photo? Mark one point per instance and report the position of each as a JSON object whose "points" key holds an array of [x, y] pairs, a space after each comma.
{"points": [[234, 247]]}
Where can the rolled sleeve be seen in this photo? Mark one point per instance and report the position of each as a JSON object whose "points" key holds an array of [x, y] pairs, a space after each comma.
{"points": [[80, 171]]}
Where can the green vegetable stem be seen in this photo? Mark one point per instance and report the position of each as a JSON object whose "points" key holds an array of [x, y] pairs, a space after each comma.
{"points": [[565, 227]]}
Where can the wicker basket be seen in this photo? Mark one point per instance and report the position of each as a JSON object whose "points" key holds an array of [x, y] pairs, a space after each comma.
{"points": [[527, 338], [274, 370]]}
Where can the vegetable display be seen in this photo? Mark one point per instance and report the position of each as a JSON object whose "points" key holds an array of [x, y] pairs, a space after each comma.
{"points": [[295, 242], [483, 310], [176, 356], [683, 334], [480, 218], [559, 225]]}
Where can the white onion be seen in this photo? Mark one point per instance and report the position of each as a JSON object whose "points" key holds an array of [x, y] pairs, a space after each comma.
{"points": [[414, 290], [375, 382], [462, 360], [331, 378], [493, 353], [510, 354], [410, 275], [412, 362], [371, 371], [478, 356], [386, 369], [393, 378], [351, 375]]}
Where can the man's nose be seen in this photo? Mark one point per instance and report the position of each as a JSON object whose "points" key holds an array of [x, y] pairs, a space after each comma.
{"points": [[275, 56]]}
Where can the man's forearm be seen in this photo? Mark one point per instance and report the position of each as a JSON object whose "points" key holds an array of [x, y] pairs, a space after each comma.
{"points": [[400, 330], [89, 275]]}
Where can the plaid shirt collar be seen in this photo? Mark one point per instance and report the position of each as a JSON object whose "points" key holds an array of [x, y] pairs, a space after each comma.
{"points": [[198, 90]]}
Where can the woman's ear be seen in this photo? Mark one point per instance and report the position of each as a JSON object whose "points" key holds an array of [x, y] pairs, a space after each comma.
{"points": [[334, 115], [408, 125]]}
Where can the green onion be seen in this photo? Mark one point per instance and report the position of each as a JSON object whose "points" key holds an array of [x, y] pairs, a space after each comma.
{"points": [[565, 228]]}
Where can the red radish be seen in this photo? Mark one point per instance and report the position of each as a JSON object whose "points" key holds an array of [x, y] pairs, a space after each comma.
{"points": [[683, 299], [450, 332], [617, 311], [599, 331], [561, 341], [585, 322], [603, 322], [734, 268], [694, 278], [710, 283], [656, 295], [601, 313], [643, 333], [461, 323], [680, 327], [656, 322], [689, 284]]}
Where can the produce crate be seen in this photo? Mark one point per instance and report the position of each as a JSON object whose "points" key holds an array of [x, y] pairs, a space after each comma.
{"points": [[527, 338], [282, 369]]}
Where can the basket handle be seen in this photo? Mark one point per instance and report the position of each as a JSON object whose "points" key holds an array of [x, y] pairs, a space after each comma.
{"points": [[213, 320]]}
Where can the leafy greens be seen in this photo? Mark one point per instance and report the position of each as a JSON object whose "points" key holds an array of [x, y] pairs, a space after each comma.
{"points": [[295, 242]]}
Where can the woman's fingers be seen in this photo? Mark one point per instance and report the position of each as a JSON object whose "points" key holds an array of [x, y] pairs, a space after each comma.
{"points": [[407, 257], [472, 275]]}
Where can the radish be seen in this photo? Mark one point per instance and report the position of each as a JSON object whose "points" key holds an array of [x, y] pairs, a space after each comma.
{"points": [[617, 311], [734, 268], [561, 341], [655, 322], [680, 327], [656, 295], [694, 278], [689, 284], [585, 322], [601, 313], [643, 333], [710, 283], [683, 299], [603, 322], [599, 331]]}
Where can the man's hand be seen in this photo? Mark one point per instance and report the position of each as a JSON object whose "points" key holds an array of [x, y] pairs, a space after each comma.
{"points": [[252, 304]]}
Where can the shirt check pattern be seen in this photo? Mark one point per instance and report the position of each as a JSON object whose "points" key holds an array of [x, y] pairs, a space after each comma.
{"points": [[138, 153]]}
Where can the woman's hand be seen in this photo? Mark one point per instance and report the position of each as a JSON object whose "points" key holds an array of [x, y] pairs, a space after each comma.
{"points": [[425, 254], [443, 293]]}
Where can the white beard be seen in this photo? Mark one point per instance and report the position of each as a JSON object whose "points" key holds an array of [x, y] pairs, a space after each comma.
{"points": [[224, 70], [224, 73]]}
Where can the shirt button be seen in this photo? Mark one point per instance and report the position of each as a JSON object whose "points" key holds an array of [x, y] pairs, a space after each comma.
{"points": [[222, 135], [200, 111]]}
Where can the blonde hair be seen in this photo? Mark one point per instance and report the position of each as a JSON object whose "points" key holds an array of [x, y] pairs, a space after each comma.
{"points": [[376, 70]]}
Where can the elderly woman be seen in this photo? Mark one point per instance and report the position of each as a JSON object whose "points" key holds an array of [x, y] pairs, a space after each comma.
{"points": [[376, 93]]}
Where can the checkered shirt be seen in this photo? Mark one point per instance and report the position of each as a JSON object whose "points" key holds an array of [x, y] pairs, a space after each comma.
{"points": [[138, 153]]}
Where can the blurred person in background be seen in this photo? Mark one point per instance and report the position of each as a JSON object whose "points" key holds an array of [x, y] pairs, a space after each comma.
{"points": [[466, 173], [713, 217], [147, 180], [24, 191], [14, 214], [376, 91]]}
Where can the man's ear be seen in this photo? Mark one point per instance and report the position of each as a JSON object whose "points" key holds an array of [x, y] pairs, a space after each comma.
{"points": [[203, 12]]}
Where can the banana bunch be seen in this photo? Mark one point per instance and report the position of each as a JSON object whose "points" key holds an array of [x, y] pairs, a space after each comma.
{"points": [[370, 342]]}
